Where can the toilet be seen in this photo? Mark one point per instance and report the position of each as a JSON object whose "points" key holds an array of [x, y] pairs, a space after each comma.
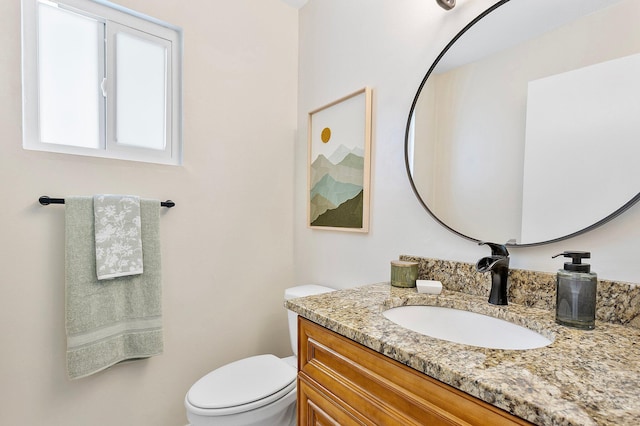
{"points": [[259, 390]]}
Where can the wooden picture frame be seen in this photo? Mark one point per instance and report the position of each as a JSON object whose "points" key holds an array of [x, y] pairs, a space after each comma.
{"points": [[339, 164]]}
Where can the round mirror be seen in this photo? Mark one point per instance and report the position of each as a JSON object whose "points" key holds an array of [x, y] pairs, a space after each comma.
{"points": [[525, 129]]}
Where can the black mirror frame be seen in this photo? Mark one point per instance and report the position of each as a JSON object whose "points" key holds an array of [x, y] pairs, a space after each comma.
{"points": [[599, 223]]}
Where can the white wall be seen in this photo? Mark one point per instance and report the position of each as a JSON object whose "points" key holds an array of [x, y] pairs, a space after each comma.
{"points": [[226, 246], [389, 45]]}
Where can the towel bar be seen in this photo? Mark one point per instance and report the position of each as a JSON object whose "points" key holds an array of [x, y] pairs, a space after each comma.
{"points": [[45, 200]]}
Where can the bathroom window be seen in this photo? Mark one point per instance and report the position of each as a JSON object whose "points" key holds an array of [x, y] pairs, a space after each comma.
{"points": [[100, 80]]}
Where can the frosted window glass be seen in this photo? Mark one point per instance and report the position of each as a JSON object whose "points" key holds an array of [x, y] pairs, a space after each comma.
{"points": [[140, 92], [69, 78]]}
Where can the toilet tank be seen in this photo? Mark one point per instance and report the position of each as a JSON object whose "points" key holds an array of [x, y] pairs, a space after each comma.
{"points": [[300, 291]]}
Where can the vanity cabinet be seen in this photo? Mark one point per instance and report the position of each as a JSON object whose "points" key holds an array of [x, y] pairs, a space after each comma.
{"points": [[341, 382]]}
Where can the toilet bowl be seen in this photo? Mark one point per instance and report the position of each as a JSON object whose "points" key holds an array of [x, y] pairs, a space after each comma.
{"points": [[259, 390]]}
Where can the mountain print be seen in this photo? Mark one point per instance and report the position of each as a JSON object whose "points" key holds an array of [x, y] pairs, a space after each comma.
{"points": [[336, 189], [348, 170]]}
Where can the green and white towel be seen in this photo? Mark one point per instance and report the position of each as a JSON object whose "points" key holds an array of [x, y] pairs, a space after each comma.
{"points": [[114, 320], [118, 240]]}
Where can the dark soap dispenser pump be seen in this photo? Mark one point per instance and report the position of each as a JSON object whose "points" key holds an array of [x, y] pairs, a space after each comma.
{"points": [[576, 292]]}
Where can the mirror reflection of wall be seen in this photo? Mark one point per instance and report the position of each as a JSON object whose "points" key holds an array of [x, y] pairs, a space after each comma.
{"points": [[574, 140], [469, 116]]}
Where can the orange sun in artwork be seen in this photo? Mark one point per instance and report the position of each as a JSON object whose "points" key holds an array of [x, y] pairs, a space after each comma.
{"points": [[325, 135]]}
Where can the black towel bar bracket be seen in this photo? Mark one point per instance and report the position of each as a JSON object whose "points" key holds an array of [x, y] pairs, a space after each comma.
{"points": [[46, 200]]}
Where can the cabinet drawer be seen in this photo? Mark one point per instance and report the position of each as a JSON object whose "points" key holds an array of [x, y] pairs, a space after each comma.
{"points": [[382, 390]]}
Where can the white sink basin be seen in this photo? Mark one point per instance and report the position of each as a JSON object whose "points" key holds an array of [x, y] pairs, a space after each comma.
{"points": [[465, 327]]}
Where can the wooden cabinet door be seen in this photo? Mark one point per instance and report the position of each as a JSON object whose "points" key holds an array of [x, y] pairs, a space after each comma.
{"points": [[316, 408], [344, 383]]}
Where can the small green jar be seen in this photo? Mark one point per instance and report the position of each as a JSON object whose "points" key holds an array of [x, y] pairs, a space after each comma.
{"points": [[404, 274]]}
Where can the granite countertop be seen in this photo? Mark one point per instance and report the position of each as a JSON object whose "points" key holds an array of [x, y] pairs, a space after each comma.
{"points": [[582, 378]]}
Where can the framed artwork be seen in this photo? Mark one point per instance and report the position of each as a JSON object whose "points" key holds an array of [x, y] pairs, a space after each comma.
{"points": [[339, 166]]}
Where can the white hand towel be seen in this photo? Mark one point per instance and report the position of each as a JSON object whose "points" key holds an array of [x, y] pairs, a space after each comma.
{"points": [[118, 239]]}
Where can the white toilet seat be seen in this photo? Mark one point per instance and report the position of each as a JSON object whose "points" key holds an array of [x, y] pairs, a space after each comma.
{"points": [[241, 386]]}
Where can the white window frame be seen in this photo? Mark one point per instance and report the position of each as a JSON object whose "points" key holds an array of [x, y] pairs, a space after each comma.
{"points": [[116, 19]]}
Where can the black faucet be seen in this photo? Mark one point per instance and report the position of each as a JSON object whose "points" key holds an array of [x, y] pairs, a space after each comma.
{"points": [[498, 264]]}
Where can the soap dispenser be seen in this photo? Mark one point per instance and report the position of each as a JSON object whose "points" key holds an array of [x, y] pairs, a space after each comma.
{"points": [[576, 292]]}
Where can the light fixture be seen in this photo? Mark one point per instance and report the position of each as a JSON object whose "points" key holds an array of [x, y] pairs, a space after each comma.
{"points": [[446, 4]]}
